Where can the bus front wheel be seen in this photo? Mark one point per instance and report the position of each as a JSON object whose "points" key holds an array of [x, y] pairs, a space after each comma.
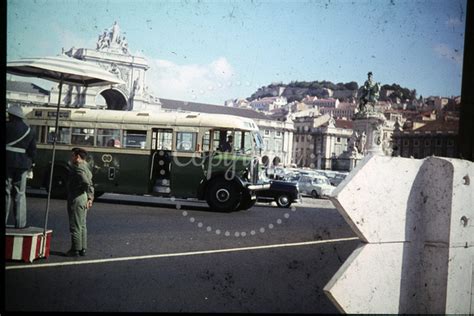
{"points": [[247, 201], [223, 195]]}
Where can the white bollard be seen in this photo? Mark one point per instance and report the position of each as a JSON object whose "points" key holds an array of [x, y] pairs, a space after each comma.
{"points": [[416, 218]]}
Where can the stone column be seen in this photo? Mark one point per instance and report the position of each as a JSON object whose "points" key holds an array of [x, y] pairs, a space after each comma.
{"points": [[414, 218]]}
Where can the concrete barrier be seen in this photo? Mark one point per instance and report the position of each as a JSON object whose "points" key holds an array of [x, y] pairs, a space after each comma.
{"points": [[416, 219]]}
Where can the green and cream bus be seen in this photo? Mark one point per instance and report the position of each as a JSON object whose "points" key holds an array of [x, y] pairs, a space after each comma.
{"points": [[172, 154]]}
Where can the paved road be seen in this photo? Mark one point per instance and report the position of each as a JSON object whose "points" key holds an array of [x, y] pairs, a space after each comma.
{"points": [[156, 255]]}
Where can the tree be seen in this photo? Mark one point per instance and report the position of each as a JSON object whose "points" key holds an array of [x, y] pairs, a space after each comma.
{"points": [[351, 85]]}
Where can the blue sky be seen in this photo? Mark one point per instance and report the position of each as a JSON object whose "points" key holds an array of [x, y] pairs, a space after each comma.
{"points": [[211, 51]]}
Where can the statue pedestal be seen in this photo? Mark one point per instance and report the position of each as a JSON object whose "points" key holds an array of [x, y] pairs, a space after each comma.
{"points": [[368, 126]]}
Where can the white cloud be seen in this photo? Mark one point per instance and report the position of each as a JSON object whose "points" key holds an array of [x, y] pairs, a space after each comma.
{"points": [[69, 38], [200, 82], [444, 51], [222, 68]]}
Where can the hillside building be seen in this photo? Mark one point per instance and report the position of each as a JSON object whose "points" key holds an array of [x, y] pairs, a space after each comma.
{"points": [[343, 110], [268, 104]]}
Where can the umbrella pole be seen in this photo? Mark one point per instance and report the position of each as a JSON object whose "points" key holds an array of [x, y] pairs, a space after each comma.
{"points": [[43, 248]]}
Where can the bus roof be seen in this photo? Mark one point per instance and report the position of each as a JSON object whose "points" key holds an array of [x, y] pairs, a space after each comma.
{"points": [[142, 117]]}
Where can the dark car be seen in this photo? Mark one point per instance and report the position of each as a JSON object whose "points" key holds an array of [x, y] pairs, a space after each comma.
{"points": [[282, 192]]}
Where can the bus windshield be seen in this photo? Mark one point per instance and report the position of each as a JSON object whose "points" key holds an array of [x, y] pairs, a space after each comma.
{"points": [[236, 141], [258, 141]]}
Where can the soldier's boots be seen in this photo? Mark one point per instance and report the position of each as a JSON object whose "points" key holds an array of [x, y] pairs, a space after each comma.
{"points": [[72, 253]]}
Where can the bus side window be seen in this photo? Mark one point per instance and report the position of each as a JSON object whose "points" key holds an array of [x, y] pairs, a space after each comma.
{"points": [[206, 141], [219, 138], [216, 140], [82, 136], [162, 139], [134, 139], [238, 140], [107, 137], [63, 137], [39, 132], [186, 141]]}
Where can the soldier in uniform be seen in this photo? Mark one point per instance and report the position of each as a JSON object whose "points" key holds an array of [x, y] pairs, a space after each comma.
{"points": [[20, 156], [80, 196], [227, 146]]}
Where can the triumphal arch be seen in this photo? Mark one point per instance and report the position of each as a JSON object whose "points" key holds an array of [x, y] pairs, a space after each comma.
{"points": [[112, 54]]}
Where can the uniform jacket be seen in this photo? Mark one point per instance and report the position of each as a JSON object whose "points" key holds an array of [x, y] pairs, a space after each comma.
{"points": [[80, 181], [15, 129]]}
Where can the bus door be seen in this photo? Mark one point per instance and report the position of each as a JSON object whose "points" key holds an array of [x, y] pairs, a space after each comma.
{"points": [[213, 162], [160, 161], [186, 165]]}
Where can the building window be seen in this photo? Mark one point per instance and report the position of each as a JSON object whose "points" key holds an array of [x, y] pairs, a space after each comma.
{"points": [[338, 139], [427, 142], [278, 146], [416, 143], [267, 145], [278, 134], [267, 132], [450, 142], [439, 142], [406, 142]]}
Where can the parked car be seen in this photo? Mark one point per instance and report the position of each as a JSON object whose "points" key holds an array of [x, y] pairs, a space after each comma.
{"points": [[335, 177], [277, 173], [338, 177], [292, 177], [282, 192], [315, 186]]}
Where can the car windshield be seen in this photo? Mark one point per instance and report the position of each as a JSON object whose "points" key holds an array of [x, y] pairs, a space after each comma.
{"points": [[320, 181]]}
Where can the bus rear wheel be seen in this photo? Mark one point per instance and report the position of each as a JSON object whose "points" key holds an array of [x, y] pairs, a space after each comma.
{"points": [[58, 185], [98, 194], [223, 195]]}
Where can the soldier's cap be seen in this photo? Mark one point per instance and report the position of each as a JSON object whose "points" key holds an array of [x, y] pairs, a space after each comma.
{"points": [[16, 111], [370, 73], [80, 151]]}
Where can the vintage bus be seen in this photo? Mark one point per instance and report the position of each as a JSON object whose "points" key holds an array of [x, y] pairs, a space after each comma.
{"points": [[172, 154]]}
